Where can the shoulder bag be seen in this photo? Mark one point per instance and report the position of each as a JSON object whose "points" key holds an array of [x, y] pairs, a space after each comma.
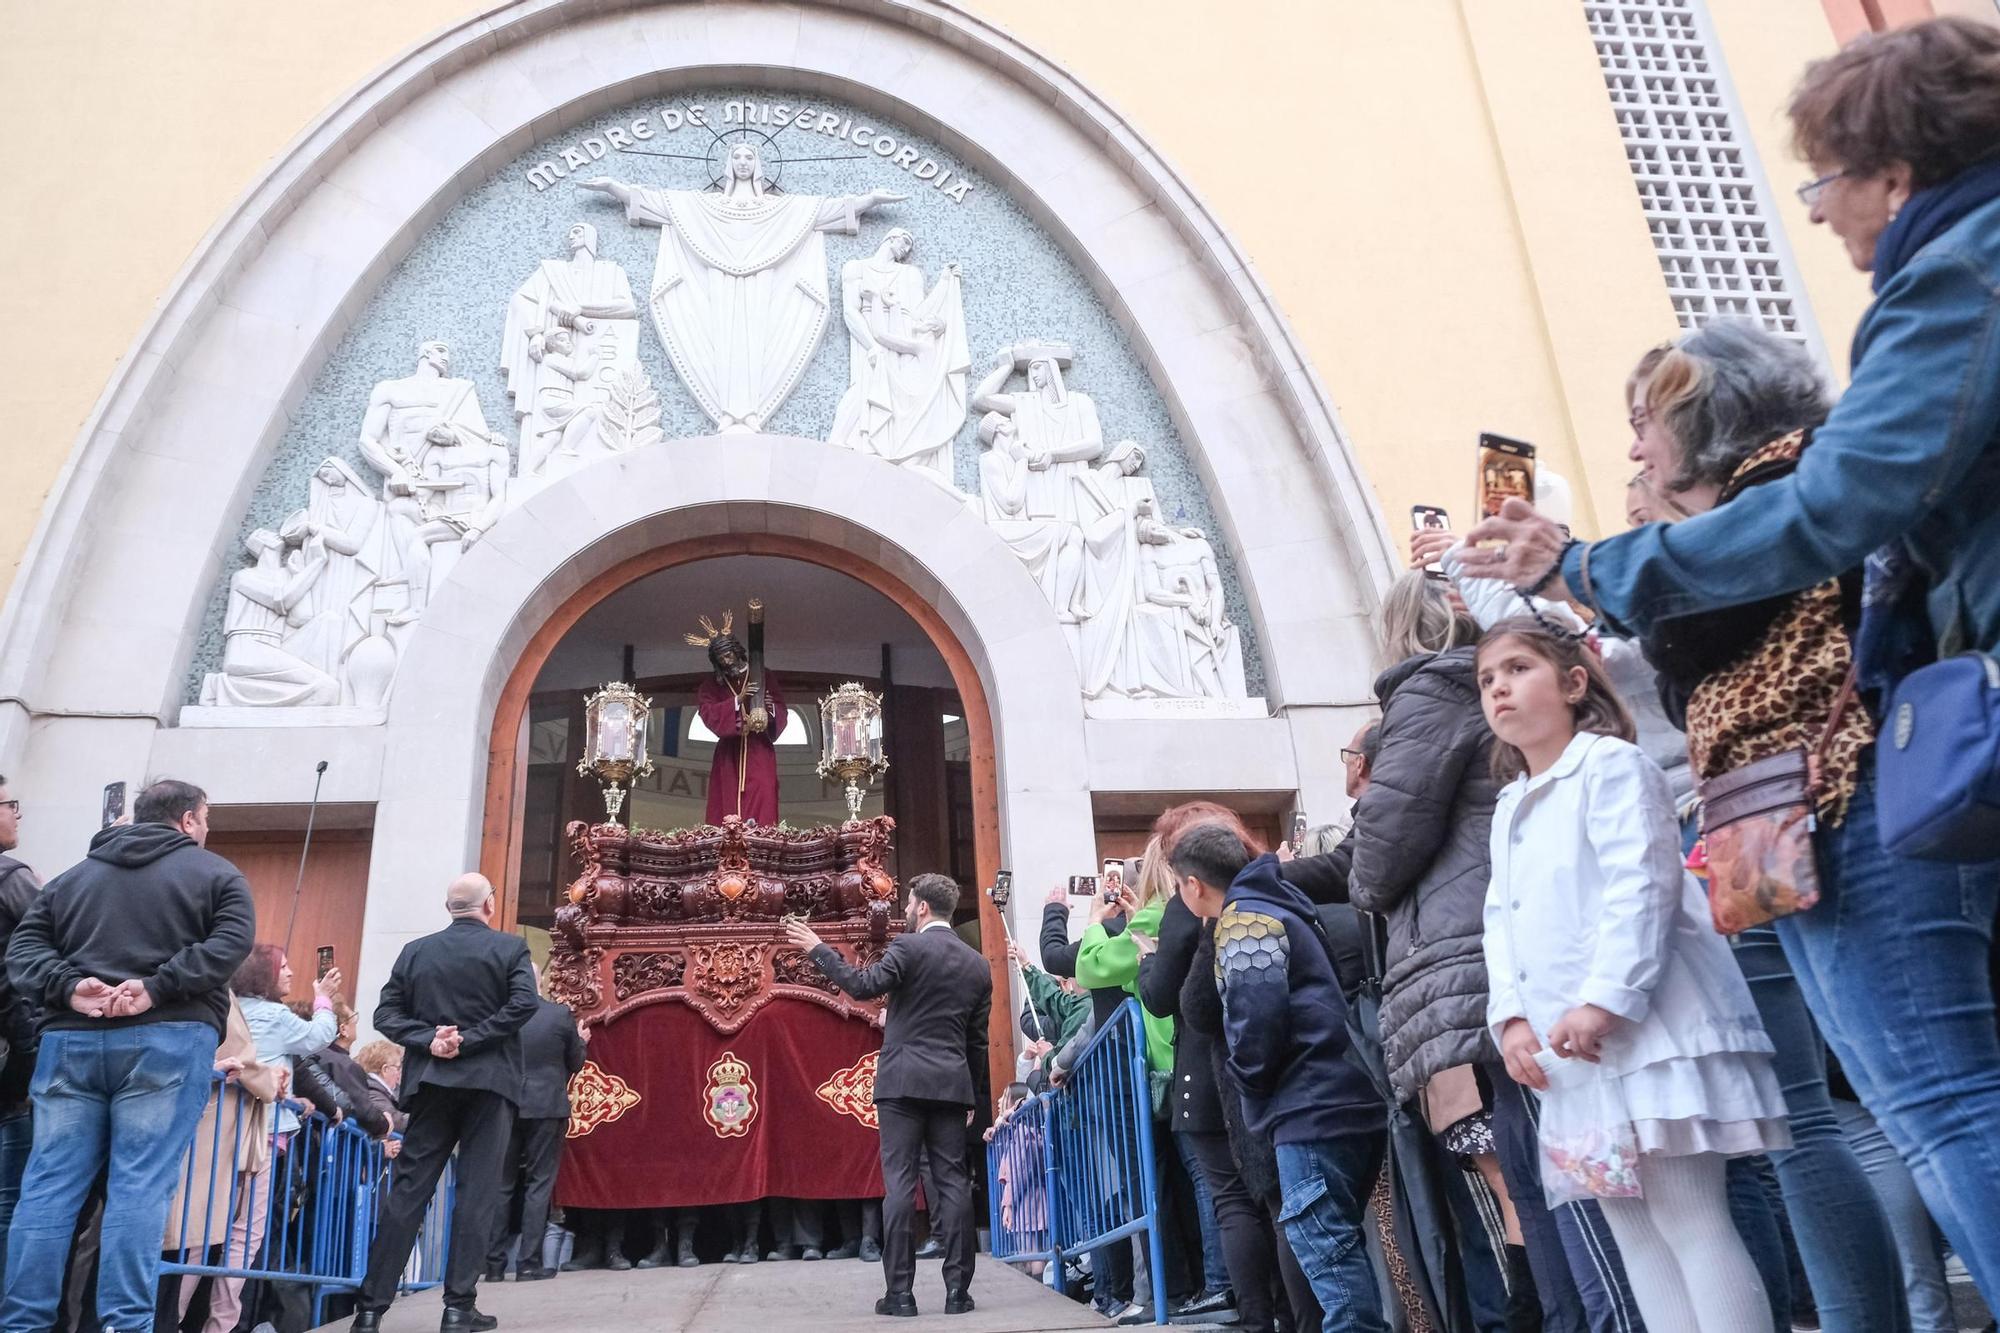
{"points": [[1757, 824]]}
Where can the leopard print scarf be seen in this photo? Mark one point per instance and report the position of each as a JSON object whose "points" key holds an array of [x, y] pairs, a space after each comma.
{"points": [[1778, 695]]}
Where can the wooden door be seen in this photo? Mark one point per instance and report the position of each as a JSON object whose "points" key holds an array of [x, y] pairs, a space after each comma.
{"points": [[331, 899]]}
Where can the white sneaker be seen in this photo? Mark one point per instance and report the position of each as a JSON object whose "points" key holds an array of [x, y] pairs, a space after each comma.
{"points": [[1134, 1313]]}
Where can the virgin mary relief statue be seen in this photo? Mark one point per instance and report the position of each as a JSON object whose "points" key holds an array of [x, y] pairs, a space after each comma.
{"points": [[740, 288]]}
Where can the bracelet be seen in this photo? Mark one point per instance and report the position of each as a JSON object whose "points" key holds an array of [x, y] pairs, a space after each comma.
{"points": [[1550, 574]]}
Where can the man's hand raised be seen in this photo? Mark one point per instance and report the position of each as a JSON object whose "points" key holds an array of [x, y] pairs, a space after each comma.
{"points": [[801, 936]]}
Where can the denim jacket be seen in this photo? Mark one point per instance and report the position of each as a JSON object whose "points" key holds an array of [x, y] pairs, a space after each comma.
{"points": [[1912, 451]]}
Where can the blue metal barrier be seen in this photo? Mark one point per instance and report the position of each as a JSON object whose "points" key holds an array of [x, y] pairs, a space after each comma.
{"points": [[1072, 1170], [298, 1207]]}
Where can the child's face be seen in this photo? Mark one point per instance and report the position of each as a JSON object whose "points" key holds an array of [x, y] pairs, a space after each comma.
{"points": [[1525, 699]]}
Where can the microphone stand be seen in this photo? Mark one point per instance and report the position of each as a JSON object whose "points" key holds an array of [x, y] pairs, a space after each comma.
{"points": [[298, 886]]}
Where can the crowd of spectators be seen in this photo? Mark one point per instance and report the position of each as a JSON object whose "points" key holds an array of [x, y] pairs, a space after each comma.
{"points": [[1564, 1030]]}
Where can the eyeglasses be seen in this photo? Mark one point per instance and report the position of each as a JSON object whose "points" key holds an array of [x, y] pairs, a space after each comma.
{"points": [[14, 805], [1637, 421], [1810, 192], [1351, 756]]}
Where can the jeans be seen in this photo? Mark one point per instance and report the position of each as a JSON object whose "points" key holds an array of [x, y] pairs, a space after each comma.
{"points": [[126, 1099], [17, 1137], [1754, 1209], [1916, 1234], [1326, 1183], [1214, 1272], [1893, 964], [1842, 1233]]}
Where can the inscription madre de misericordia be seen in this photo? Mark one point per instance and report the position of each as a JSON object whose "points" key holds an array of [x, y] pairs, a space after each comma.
{"points": [[691, 119]]}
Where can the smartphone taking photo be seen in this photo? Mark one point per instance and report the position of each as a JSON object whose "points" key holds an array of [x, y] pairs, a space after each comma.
{"points": [[1506, 472], [1430, 518], [324, 964]]}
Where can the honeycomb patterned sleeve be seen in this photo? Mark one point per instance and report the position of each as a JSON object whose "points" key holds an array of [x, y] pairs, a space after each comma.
{"points": [[1253, 972]]}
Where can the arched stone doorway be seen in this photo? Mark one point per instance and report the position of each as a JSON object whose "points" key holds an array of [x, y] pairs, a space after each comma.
{"points": [[541, 568]]}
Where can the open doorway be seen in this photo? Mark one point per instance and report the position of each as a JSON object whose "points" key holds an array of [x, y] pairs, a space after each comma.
{"points": [[822, 628]]}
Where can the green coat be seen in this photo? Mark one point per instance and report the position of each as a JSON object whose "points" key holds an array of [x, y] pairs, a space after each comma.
{"points": [[1063, 1012], [1104, 959]]}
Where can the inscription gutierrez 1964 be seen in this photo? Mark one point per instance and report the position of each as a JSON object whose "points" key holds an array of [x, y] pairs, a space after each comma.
{"points": [[780, 116]]}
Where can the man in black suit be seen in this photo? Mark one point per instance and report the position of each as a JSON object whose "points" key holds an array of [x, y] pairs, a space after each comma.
{"points": [[551, 1051], [933, 1053], [456, 1002]]}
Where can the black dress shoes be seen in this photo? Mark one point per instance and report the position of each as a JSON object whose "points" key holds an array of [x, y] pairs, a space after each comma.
{"points": [[900, 1304], [958, 1302], [366, 1321], [533, 1273], [466, 1320], [496, 1272]]}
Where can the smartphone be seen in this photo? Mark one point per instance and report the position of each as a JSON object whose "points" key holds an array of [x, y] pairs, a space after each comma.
{"points": [[325, 963], [1082, 886], [1430, 518], [114, 803], [1298, 829], [1003, 886], [1506, 472]]}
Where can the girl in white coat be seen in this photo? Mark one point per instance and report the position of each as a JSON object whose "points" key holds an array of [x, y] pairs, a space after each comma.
{"points": [[1598, 948]]}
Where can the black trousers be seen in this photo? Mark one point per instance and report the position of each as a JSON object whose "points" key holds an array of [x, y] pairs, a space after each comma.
{"points": [[1249, 1250], [529, 1173], [479, 1125], [909, 1126]]}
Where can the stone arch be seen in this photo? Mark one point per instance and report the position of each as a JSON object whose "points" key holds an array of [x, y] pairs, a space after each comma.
{"points": [[187, 424], [580, 538]]}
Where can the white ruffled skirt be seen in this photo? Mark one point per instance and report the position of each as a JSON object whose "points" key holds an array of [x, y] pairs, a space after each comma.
{"points": [[1726, 1102]]}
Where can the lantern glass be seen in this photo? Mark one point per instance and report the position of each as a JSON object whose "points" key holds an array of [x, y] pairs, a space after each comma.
{"points": [[615, 730]]}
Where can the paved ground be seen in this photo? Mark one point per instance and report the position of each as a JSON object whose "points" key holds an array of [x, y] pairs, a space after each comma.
{"points": [[760, 1298]]}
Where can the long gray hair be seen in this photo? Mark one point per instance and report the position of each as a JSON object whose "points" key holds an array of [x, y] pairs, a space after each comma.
{"points": [[1417, 617], [1726, 390]]}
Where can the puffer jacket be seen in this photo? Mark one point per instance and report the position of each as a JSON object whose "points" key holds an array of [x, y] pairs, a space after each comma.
{"points": [[1420, 860]]}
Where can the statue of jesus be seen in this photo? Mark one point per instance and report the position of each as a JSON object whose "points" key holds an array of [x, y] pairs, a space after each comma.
{"points": [[747, 719], [739, 292]]}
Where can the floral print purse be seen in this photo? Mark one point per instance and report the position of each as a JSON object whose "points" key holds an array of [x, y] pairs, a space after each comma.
{"points": [[1757, 823]]}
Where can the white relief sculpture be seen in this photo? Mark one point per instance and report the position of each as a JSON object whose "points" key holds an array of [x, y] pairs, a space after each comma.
{"points": [[1201, 654], [444, 474], [739, 291], [1140, 601], [258, 670], [553, 379], [1107, 594], [907, 360], [1047, 546], [338, 612], [1057, 427]]}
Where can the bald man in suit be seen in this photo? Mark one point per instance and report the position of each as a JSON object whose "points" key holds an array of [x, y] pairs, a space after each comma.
{"points": [[456, 1002]]}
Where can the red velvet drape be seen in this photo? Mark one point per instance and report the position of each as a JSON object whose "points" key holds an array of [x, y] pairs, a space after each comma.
{"points": [[671, 1113]]}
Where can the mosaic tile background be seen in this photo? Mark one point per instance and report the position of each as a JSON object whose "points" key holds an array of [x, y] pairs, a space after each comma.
{"points": [[456, 283]]}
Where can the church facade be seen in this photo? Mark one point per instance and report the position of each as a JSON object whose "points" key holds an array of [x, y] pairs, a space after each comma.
{"points": [[574, 295]]}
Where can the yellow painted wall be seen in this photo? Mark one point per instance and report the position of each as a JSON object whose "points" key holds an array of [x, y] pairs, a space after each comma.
{"points": [[1432, 188], [1767, 46]]}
